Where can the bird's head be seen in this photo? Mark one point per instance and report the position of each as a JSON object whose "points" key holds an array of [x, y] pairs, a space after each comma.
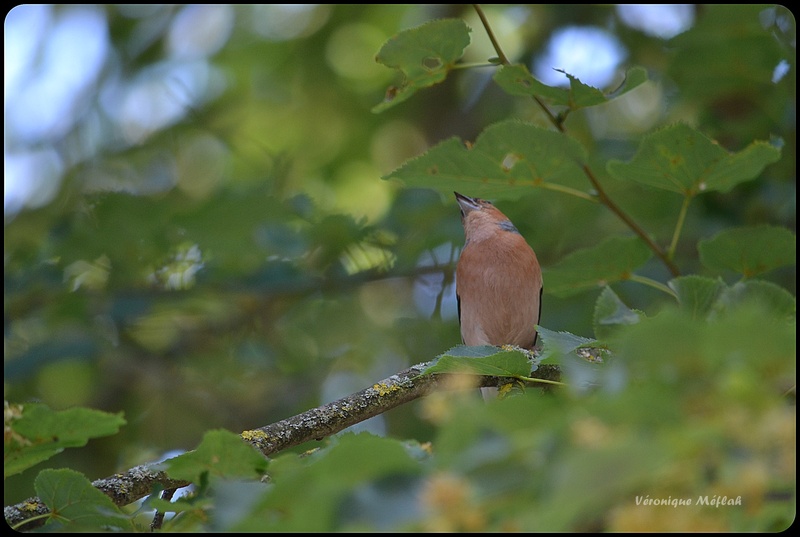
{"points": [[481, 218]]}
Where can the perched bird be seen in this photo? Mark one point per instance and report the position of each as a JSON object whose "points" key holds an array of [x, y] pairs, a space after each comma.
{"points": [[498, 279]]}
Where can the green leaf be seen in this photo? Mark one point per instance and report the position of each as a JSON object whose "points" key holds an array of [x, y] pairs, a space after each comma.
{"points": [[683, 160], [732, 46], [634, 77], [424, 55], [578, 357], [517, 80], [610, 312], [73, 501], [697, 294], [309, 494], [40, 432], [612, 260], [221, 453], [560, 343], [773, 298], [749, 250], [482, 360], [508, 159]]}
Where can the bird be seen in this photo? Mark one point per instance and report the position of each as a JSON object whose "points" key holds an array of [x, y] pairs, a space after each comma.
{"points": [[498, 280]]}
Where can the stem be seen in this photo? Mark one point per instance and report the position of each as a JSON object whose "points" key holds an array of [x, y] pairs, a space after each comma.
{"points": [[553, 119], [653, 283], [500, 55], [622, 215], [543, 381], [679, 226], [602, 197], [44, 516]]}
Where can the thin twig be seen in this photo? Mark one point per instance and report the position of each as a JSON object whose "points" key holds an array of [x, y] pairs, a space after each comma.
{"points": [[158, 518], [622, 215], [500, 55], [601, 194]]}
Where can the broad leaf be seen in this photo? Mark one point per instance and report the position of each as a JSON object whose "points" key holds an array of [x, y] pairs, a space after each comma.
{"points": [[730, 47], [697, 294], [611, 312], [424, 55], [40, 432], [611, 261], [749, 250], [681, 159], [773, 298], [73, 501], [560, 343], [517, 80], [310, 494], [482, 360], [508, 159], [221, 453]]}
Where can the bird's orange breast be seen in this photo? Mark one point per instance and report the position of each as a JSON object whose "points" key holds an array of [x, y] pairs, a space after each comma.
{"points": [[498, 283]]}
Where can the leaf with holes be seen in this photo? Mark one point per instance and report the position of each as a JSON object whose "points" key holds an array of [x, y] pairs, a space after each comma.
{"points": [[683, 160], [611, 261], [507, 160], [424, 55], [517, 80]]}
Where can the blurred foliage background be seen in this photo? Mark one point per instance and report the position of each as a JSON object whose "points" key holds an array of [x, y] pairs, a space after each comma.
{"points": [[203, 239]]}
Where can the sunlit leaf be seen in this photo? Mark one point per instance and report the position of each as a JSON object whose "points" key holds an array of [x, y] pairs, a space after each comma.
{"points": [[611, 261], [749, 250], [680, 159], [507, 160], [89, 275], [424, 55]]}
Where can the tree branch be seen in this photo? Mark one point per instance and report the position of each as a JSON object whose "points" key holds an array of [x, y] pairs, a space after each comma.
{"points": [[314, 424]]}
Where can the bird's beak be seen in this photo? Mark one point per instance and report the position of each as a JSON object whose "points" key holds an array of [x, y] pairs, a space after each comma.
{"points": [[466, 203]]}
